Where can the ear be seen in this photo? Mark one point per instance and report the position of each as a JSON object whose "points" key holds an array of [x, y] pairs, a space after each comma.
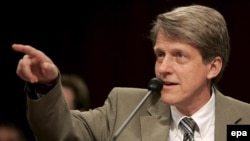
{"points": [[214, 67]]}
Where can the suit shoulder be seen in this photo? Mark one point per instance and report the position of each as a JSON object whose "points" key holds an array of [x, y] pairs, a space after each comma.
{"points": [[243, 108], [230, 101], [128, 93], [238, 103]]}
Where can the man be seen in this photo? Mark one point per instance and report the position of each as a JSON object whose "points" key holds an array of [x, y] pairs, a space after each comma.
{"points": [[75, 91], [10, 131], [192, 48]]}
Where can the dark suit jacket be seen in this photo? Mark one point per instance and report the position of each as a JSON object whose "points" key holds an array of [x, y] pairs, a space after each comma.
{"points": [[52, 120]]}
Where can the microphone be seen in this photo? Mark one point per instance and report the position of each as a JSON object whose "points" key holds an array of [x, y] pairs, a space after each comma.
{"points": [[154, 85]]}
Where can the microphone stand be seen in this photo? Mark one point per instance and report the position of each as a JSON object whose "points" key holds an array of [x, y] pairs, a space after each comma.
{"points": [[130, 116], [155, 85]]}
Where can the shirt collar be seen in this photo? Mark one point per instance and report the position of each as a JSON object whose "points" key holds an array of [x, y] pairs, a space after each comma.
{"points": [[204, 117]]}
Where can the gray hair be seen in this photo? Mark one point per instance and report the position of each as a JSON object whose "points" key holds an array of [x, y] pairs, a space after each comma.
{"points": [[200, 26]]}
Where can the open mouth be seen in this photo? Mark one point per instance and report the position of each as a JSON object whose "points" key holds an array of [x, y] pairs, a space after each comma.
{"points": [[169, 83]]}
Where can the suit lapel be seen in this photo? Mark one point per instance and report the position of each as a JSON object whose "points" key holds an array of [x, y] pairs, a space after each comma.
{"points": [[224, 115], [155, 127]]}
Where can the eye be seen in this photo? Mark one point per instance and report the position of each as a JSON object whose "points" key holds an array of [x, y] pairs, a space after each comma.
{"points": [[159, 54], [179, 55]]}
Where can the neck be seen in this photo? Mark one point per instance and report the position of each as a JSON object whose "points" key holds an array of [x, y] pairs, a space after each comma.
{"points": [[194, 103]]}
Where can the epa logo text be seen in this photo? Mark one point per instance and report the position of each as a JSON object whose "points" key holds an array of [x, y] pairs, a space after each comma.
{"points": [[238, 133]]}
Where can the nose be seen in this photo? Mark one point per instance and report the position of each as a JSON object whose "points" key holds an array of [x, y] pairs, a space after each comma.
{"points": [[165, 67]]}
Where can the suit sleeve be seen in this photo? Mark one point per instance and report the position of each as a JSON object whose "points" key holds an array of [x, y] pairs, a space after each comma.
{"points": [[51, 119]]}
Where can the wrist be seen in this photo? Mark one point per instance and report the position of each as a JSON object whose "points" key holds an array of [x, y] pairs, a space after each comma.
{"points": [[44, 88]]}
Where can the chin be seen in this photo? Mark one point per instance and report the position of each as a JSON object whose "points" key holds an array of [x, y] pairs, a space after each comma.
{"points": [[168, 98]]}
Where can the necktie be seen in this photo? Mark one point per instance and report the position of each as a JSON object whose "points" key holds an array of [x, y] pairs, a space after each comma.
{"points": [[188, 125]]}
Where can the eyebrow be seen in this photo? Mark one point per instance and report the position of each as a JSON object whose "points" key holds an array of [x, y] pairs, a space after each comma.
{"points": [[156, 48]]}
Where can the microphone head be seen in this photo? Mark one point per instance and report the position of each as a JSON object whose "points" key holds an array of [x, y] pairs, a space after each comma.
{"points": [[155, 84]]}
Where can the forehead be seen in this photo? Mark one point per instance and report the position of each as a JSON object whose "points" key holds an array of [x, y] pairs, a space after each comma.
{"points": [[162, 41]]}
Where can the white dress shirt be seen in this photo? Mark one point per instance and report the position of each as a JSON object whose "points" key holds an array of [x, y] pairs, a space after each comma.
{"points": [[204, 118]]}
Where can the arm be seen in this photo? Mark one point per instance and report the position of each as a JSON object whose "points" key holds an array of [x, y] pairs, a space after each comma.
{"points": [[49, 115], [51, 119]]}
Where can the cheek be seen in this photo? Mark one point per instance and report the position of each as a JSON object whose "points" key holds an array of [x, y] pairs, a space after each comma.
{"points": [[156, 70], [195, 77]]}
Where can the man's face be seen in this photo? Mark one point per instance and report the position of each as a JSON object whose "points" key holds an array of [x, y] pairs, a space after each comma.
{"points": [[69, 97], [186, 77]]}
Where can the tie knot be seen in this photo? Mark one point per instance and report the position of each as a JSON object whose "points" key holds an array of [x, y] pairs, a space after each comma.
{"points": [[188, 124]]}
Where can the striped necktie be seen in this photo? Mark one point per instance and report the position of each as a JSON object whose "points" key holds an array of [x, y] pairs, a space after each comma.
{"points": [[189, 126]]}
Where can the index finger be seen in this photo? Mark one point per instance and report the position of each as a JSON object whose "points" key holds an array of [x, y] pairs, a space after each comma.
{"points": [[26, 49]]}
